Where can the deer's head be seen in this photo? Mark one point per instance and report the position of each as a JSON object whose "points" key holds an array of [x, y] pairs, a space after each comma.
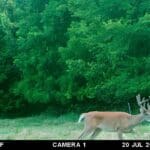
{"points": [[144, 106]]}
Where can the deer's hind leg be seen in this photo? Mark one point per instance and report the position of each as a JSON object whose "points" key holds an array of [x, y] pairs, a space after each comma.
{"points": [[95, 133], [85, 133]]}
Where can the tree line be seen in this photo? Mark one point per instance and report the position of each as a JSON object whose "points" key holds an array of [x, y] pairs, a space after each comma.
{"points": [[73, 54]]}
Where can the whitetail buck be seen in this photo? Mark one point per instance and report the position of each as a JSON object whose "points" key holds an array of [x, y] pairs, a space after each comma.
{"points": [[119, 122]]}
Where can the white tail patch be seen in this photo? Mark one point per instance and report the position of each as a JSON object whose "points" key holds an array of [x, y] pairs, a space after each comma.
{"points": [[82, 116]]}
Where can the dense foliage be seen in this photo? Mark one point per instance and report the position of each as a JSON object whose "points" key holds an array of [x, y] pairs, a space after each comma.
{"points": [[73, 53]]}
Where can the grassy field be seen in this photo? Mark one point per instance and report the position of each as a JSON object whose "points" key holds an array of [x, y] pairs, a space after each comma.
{"points": [[65, 127]]}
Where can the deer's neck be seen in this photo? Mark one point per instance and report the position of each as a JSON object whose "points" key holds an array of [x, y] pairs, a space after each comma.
{"points": [[136, 119]]}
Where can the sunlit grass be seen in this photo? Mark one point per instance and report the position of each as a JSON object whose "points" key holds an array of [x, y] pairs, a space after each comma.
{"points": [[65, 127]]}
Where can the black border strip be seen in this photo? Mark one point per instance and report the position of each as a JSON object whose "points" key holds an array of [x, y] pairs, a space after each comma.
{"points": [[74, 144]]}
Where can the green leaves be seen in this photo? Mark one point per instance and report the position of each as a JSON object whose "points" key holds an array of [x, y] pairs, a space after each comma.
{"points": [[68, 52]]}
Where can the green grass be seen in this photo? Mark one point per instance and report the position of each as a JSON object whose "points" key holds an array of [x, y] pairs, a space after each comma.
{"points": [[65, 127]]}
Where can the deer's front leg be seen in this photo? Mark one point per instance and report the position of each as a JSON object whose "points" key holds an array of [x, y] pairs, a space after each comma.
{"points": [[120, 134]]}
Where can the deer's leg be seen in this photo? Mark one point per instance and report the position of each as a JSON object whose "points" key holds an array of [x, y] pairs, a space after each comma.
{"points": [[120, 137], [85, 133], [95, 133]]}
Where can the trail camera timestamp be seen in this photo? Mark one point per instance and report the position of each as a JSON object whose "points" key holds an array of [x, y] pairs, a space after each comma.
{"points": [[136, 144]]}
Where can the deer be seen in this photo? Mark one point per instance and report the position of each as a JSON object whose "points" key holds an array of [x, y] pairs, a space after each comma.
{"points": [[120, 122]]}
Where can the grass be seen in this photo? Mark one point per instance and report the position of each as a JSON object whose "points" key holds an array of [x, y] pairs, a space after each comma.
{"points": [[65, 127]]}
